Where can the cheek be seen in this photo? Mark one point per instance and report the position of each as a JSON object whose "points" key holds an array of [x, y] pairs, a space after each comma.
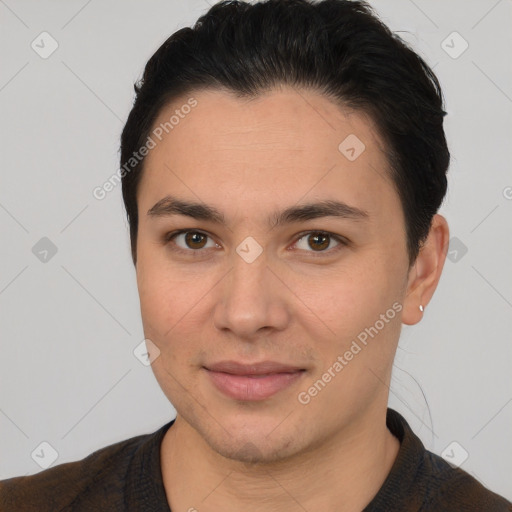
{"points": [[163, 293], [160, 310], [169, 305], [348, 299], [361, 307], [154, 299]]}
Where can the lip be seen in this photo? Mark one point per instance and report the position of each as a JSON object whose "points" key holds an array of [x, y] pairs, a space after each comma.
{"points": [[252, 382], [252, 369]]}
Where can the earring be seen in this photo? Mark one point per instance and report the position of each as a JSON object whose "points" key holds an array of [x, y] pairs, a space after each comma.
{"points": [[421, 308]]}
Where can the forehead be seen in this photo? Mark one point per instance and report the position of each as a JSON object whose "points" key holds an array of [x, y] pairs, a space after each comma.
{"points": [[273, 149], [282, 119]]}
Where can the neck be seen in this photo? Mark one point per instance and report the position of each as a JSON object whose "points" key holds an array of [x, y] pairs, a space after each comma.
{"points": [[344, 473]]}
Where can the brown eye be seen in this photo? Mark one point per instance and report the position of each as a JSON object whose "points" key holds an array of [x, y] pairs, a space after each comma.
{"points": [[195, 240], [319, 242], [189, 241]]}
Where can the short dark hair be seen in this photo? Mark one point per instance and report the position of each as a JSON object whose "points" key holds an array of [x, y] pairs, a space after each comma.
{"points": [[338, 48]]}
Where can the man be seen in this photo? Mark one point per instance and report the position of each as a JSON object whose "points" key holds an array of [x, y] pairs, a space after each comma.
{"points": [[282, 168]]}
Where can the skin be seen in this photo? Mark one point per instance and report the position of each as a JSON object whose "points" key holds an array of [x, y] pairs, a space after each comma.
{"points": [[296, 303]]}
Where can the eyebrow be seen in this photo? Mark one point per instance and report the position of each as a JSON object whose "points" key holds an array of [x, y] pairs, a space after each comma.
{"points": [[169, 206]]}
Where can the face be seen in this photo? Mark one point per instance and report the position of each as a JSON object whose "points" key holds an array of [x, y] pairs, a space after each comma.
{"points": [[253, 275]]}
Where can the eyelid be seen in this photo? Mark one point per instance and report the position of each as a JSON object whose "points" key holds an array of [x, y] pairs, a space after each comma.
{"points": [[342, 241]]}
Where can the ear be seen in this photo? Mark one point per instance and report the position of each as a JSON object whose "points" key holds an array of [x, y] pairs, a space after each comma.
{"points": [[426, 271]]}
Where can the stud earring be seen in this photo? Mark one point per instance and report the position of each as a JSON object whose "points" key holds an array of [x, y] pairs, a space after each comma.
{"points": [[421, 308]]}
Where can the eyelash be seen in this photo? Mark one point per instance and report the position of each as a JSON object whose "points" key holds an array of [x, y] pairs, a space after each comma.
{"points": [[169, 237]]}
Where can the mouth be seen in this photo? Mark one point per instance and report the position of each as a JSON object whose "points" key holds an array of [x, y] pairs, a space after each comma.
{"points": [[252, 382]]}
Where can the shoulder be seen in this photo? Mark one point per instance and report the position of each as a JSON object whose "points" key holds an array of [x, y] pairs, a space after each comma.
{"points": [[451, 488], [422, 481], [96, 478]]}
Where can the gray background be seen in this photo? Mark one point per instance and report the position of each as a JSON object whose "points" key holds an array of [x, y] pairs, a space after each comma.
{"points": [[69, 324]]}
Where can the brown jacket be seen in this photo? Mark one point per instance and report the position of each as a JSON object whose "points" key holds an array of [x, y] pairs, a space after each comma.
{"points": [[126, 476]]}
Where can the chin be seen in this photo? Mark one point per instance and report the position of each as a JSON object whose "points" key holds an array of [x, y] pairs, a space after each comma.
{"points": [[251, 438], [258, 450]]}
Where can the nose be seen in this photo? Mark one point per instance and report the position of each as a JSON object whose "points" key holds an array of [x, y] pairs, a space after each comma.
{"points": [[252, 298]]}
